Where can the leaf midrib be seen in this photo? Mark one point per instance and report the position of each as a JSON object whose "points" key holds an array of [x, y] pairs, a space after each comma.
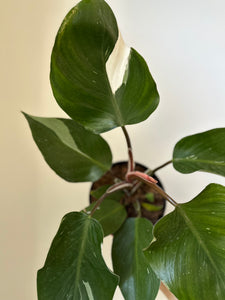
{"points": [[81, 251], [197, 236], [95, 162], [136, 243], [205, 161], [73, 148]]}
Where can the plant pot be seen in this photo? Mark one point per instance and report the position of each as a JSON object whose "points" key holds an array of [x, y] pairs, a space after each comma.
{"points": [[118, 171]]}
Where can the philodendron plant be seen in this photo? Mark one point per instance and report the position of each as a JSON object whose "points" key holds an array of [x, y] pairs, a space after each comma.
{"points": [[102, 84]]}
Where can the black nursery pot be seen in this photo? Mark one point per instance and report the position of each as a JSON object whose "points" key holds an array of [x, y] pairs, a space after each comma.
{"points": [[118, 170]]}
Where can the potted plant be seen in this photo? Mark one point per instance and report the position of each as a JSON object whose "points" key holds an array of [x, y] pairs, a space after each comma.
{"points": [[102, 84]]}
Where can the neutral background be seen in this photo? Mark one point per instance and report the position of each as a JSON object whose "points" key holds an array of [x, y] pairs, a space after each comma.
{"points": [[184, 45]]}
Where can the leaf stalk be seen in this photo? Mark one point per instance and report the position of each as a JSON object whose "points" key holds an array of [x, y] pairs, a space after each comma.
{"points": [[151, 182], [114, 188], [150, 172], [131, 163]]}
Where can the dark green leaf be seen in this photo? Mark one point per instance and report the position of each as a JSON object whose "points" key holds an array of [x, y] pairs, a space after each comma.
{"points": [[137, 280], [189, 251], [117, 196], [201, 152], [110, 215], [74, 268], [74, 153], [79, 78]]}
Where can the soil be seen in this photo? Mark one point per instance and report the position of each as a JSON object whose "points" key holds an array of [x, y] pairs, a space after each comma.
{"points": [[119, 170]]}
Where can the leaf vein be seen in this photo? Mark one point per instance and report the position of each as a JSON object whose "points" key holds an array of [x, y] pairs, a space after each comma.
{"points": [[192, 228]]}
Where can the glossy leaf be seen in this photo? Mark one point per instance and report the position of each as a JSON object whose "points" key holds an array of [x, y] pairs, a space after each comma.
{"points": [[79, 78], [110, 214], [201, 152], [189, 252], [74, 153], [137, 280], [74, 268]]}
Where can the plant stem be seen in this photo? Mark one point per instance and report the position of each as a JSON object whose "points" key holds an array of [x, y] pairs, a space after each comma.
{"points": [[162, 193], [110, 190], [137, 207], [98, 202], [127, 137], [136, 187], [150, 172], [149, 181], [167, 292], [131, 164]]}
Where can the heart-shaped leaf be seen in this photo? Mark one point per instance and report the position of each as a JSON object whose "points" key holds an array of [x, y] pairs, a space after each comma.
{"points": [[79, 78], [189, 252], [74, 153], [137, 280], [110, 214], [201, 152], [74, 268]]}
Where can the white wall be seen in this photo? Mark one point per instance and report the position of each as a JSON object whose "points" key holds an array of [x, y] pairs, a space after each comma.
{"points": [[183, 43]]}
